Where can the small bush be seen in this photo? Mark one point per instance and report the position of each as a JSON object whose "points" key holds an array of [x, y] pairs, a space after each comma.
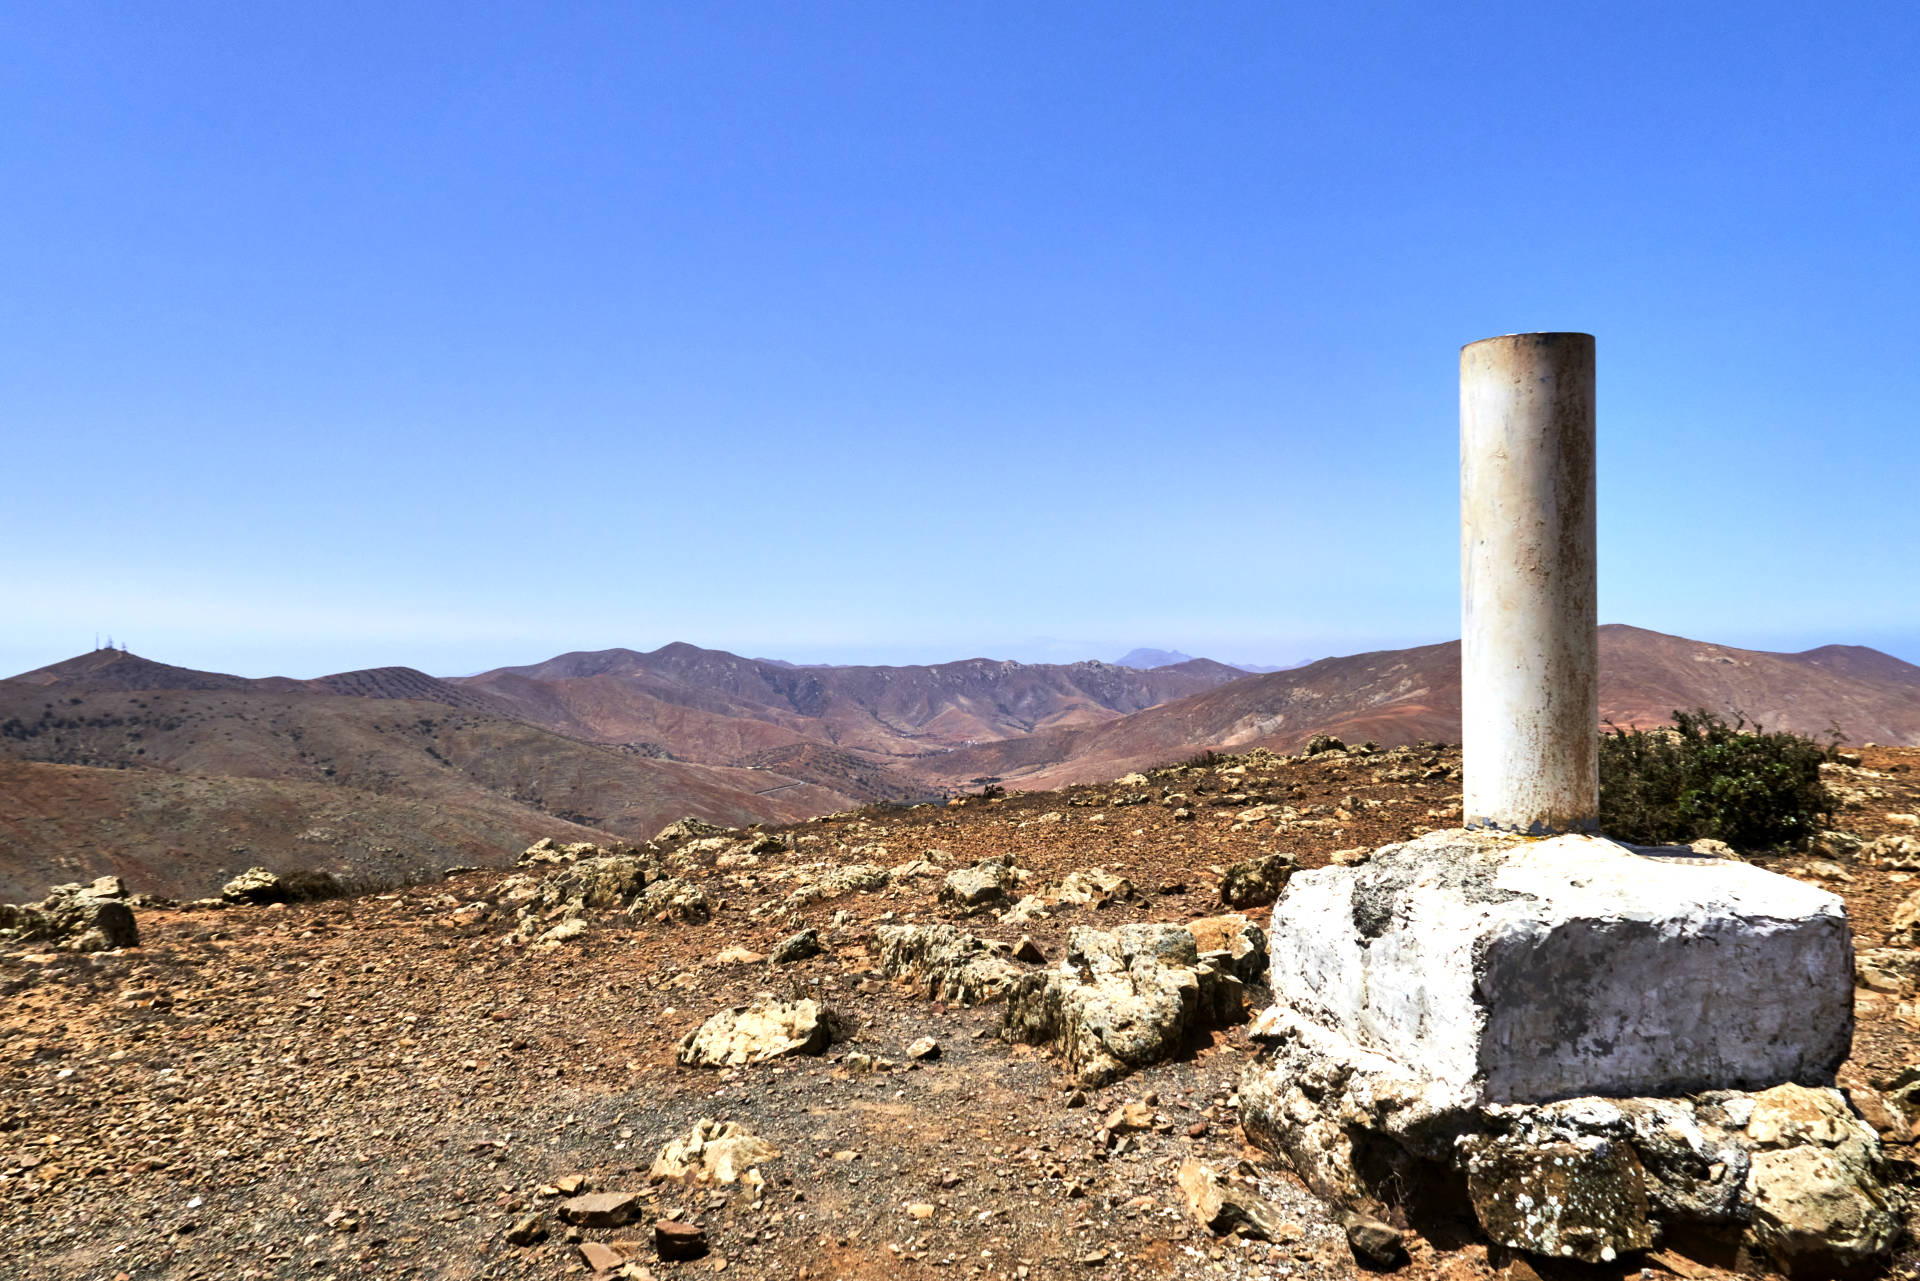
{"points": [[320, 886], [1707, 779], [310, 886]]}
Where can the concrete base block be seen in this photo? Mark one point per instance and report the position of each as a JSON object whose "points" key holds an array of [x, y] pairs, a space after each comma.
{"points": [[1500, 969]]}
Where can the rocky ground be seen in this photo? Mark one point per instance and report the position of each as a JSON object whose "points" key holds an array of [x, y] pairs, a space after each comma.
{"points": [[434, 1082]]}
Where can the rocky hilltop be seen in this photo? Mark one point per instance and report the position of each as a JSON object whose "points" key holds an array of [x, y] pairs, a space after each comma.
{"points": [[984, 1037]]}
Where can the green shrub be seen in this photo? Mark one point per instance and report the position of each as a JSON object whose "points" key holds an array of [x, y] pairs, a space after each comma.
{"points": [[316, 886], [1707, 779]]}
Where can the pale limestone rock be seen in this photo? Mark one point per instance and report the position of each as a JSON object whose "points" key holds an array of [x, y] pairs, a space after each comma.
{"points": [[549, 851], [680, 900], [1256, 882], [1090, 885], [1820, 1202], [564, 932], [1220, 1207], [1031, 907], [1904, 929], [1122, 1000], [255, 885], [609, 881], [688, 828], [76, 918], [517, 889], [832, 882], [977, 888], [712, 1152], [1893, 850], [1233, 943], [753, 1033], [946, 964]]}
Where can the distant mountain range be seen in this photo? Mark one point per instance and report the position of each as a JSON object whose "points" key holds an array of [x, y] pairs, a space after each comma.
{"points": [[1147, 659], [1152, 658], [177, 778], [710, 706], [1401, 696]]}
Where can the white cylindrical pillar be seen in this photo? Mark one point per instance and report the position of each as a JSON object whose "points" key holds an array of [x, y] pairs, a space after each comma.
{"points": [[1529, 648]]}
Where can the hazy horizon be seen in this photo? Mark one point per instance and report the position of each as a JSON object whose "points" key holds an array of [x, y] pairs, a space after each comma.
{"points": [[1037, 651], [455, 336]]}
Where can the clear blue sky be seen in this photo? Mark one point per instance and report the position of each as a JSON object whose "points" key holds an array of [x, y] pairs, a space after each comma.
{"points": [[335, 335]]}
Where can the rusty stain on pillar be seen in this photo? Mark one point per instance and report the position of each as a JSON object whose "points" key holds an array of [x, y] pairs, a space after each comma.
{"points": [[1529, 650]]}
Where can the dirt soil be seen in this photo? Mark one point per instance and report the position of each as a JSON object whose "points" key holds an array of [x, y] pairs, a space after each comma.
{"points": [[369, 1087]]}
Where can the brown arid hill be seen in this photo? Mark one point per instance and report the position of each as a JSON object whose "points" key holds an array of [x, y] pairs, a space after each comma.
{"points": [[419, 772], [185, 835], [109, 670], [1868, 696], [116, 669], [1395, 697], [707, 705], [1862, 663], [841, 772], [648, 713], [465, 784]]}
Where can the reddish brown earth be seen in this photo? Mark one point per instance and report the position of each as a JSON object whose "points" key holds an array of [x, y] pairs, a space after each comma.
{"points": [[368, 1087], [185, 835], [1403, 696]]}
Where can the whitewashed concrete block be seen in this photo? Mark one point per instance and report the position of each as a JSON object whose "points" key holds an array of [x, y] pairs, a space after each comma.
{"points": [[1506, 970]]}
